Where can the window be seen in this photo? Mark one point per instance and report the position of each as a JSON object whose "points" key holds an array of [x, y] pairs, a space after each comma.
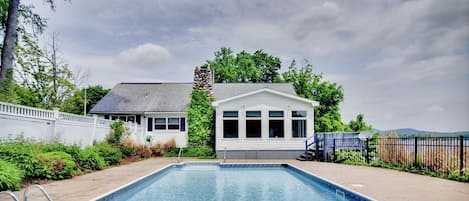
{"points": [[253, 124], [298, 113], [125, 118], [275, 113], [160, 123], [230, 113], [230, 124], [276, 125], [276, 128], [173, 123], [298, 128], [230, 128], [253, 128], [253, 113], [298, 124]]}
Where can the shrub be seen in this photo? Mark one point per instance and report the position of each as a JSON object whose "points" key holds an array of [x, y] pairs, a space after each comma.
{"points": [[203, 152], [142, 151], [91, 159], [127, 147], [109, 153], [22, 154], [118, 130], [454, 175], [73, 150], [349, 157], [10, 176], [58, 165]]}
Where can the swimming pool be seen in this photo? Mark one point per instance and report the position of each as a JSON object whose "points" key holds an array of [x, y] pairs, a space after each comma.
{"points": [[224, 181]]}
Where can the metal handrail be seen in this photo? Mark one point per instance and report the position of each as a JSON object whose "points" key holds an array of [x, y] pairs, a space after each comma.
{"points": [[44, 192], [179, 154], [224, 155], [13, 196]]}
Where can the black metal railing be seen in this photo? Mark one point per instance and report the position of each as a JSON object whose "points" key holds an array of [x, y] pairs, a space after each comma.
{"points": [[439, 154]]}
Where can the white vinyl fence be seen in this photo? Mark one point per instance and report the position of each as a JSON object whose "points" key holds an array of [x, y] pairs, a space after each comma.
{"points": [[52, 125]]}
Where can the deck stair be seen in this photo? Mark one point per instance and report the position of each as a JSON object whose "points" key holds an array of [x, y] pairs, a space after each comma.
{"points": [[310, 155]]}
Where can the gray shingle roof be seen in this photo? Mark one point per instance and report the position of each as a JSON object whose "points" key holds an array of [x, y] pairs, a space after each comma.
{"points": [[226, 90], [171, 97]]}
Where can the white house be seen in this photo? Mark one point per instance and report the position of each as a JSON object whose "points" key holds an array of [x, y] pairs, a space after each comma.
{"points": [[252, 120]]}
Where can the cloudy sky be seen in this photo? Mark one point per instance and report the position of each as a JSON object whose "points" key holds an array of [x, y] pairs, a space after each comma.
{"points": [[401, 63]]}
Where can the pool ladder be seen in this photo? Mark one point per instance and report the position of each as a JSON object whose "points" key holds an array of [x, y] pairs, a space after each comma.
{"points": [[25, 194], [179, 155]]}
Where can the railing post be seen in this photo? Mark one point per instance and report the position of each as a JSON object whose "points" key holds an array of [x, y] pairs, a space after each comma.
{"points": [[415, 151], [461, 154], [306, 146], [367, 146], [333, 150], [95, 122], [316, 151]]}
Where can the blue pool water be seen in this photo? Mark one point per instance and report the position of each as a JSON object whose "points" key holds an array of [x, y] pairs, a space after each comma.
{"points": [[213, 181]]}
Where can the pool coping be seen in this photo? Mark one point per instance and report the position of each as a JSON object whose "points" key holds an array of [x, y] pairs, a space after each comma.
{"points": [[327, 183]]}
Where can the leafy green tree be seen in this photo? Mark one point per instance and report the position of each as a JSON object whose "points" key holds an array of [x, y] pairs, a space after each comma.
{"points": [[312, 86], [244, 66], [75, 103], [48, 82], [359, 124], [13, 19]]}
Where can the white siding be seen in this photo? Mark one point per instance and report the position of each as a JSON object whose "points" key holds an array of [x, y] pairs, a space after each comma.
{"points": [[163, 136], [264, 102]]}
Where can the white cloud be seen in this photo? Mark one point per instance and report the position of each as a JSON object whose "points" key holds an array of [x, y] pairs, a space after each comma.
{"points": [[146, 56]]}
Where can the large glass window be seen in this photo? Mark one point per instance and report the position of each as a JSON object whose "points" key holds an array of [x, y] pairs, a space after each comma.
{"points": [[230, 128], [173, 123], [276, 128], [299, 124], [253, 128], [230, 124], [160, 123], [298, 128], [253, 124]]}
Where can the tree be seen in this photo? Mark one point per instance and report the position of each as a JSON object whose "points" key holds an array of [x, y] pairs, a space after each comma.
{"points": [[9, 40], [310, 85], [13, 18], [75, 103], [359, 124], [244, 66], [48, 81]]}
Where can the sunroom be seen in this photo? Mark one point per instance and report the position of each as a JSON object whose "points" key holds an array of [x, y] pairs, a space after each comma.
{"points": [[263, 124]]}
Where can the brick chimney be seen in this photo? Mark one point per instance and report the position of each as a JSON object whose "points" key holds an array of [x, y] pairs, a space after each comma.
{"points": [[203, 78]]}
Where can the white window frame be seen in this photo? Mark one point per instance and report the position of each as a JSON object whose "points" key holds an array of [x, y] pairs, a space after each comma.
{"points": [[167, 123], [229, 118], [299, 118], [252, 118], [118, 116], [276, 118]]}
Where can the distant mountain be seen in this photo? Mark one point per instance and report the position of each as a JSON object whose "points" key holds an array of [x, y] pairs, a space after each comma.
{"points": [[409, 132]]}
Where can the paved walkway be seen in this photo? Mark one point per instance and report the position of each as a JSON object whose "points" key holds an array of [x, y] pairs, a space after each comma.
{"points": [[378, 183]]}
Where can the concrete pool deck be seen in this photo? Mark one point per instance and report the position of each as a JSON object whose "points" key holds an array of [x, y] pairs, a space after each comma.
{"points": [[377, 183]]}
